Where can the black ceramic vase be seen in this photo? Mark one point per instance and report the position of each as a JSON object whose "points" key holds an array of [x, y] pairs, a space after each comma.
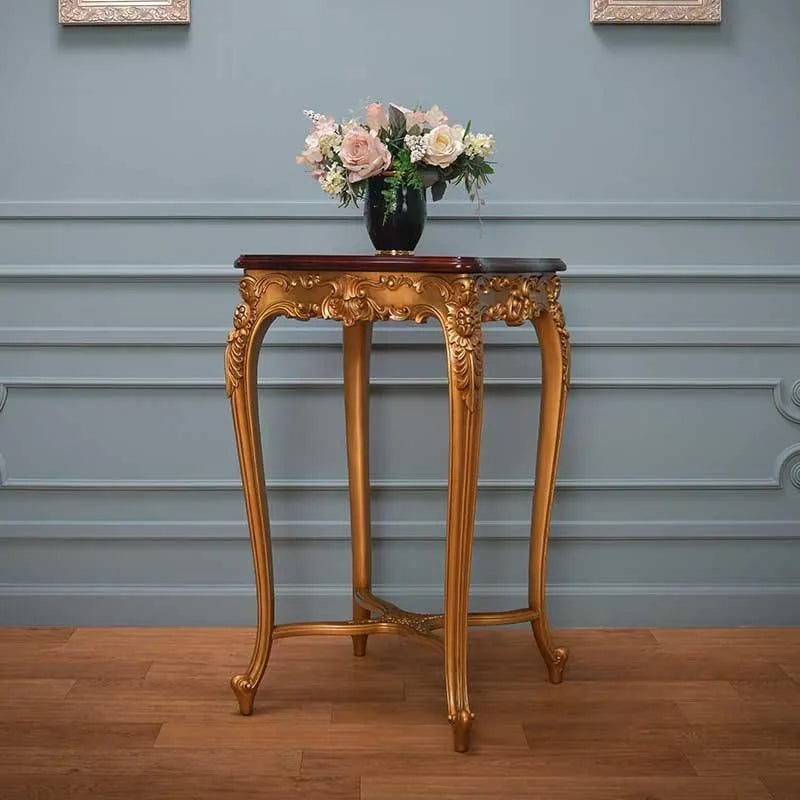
{"points": [[396, 232]]}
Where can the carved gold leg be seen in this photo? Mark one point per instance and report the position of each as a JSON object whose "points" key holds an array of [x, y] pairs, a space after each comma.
{"points": [[555, 353], [242, 363], [465, 377], [357, 342]]}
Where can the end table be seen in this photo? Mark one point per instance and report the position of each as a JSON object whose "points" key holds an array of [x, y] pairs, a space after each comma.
{"points": [[461, 293]]}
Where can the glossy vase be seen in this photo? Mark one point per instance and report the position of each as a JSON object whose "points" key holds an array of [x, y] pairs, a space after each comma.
{"points": [[394, 232]]}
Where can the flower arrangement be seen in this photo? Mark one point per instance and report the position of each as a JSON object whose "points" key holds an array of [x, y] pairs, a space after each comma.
{"points": [[412, 148]]}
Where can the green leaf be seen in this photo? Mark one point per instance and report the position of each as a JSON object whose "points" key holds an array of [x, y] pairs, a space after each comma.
{"points": [[397, 121], [429, 175], [437, 190]]}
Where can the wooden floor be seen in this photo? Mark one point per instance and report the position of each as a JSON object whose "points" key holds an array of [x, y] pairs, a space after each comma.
{"points": [[642, 715]]}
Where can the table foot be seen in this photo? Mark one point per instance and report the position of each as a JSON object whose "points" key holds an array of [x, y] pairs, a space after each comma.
{"points": [[245, 691], [555, 658], [462, 725], [360, 645]]}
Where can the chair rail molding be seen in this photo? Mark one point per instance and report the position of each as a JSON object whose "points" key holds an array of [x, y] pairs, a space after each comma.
{"points": [[314, 210], [748, 273]]}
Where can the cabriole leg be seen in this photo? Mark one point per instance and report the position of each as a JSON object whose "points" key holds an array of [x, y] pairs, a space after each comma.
{"points": [[242, 368], [465, 378], [357, 344], [555, 354]]}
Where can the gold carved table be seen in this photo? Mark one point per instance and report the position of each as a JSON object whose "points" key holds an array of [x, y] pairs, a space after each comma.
{"points": [[462, 294]]}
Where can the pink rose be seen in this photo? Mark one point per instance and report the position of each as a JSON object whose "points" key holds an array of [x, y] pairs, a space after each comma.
{"points": [[312, 153], [412, 117], [434, 116], [363, 155], [376, 117]]}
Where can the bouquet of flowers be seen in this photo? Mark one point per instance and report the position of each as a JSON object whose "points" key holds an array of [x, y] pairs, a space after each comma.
{"points": [[411, 148]]}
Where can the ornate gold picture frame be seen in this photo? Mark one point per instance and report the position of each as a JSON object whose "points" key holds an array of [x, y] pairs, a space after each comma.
{"points": [[665, 12], [123, 12]]}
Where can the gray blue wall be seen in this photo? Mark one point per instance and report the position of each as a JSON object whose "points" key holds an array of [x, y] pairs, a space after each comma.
{"points": [[660, 163]]}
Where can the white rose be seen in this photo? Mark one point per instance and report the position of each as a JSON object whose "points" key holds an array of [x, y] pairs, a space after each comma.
{"points": [[445, 143]]}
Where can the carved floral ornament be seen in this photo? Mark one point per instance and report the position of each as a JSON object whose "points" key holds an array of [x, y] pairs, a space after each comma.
{"points": [[454, 300], [684, 12], [117, 12]]}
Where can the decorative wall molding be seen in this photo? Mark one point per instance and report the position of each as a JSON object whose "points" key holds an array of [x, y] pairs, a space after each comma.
{"points": [[199, 531], [782, 395], [211, 273], [404, 591], [594, 605], [313, 210], [796, 394], [400, 484], [789, 461], [227, 273], [656, 11], [114, 12], [3, 465], [778, 387], [324, 335]]}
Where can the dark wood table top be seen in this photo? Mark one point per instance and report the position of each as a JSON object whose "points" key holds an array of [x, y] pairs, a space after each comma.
{"points": [[469, 265]]}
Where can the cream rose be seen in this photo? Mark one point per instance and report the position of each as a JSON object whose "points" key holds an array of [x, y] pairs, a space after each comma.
{"points": [[363, 155], [445, 143]]}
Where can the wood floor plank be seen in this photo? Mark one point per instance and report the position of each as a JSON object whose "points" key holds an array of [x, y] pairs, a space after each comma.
{"points": [[89, 735], [56, 665], [792, 670], [781, 691], [747, 761], [132, 761], [655, 664], [504, 692], [32, 692], [626, 714], [185, 712], [243, 732], [283, 684], [767, 641], [615, 759], [702, 712], [177, 786], [38, 637], [405, 787], [782, 786]]}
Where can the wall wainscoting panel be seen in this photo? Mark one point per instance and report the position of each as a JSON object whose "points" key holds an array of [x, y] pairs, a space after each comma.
{"points": [[682, 453]]}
